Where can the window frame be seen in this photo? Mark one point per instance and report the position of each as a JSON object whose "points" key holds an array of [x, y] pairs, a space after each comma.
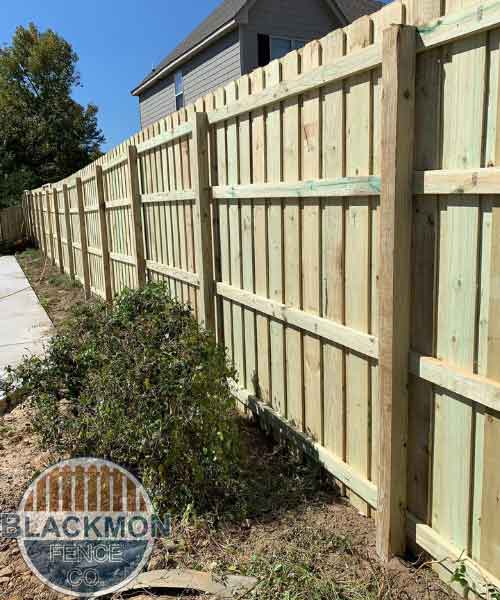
{"points": [[295, 44], [179, 89]]}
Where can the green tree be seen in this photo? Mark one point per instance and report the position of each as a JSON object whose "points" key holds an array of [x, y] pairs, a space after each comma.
{"points": [[45, 135]]}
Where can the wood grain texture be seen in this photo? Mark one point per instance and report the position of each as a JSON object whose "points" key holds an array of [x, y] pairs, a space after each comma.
{"points": [[49, 230], [203, 229], [362, 343], [333, 251], [136, 214], [313, 188], [263, 382], [487, 534], [458, 280], [358, 157], [103, 230], [398, 72], [425, 258], [223, 227], [247, 241], [292, 246], [83, 238], [60, 259], [458, 182], [43, 239], [234, 232], [358, 62], [311, 245], [274, 160]]}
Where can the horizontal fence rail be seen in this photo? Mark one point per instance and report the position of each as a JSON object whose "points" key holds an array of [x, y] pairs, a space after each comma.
{"points": [[334, 219]]}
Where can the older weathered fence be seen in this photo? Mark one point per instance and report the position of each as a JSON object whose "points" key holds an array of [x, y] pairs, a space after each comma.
{"points": [[335, 218], [11, 224]]}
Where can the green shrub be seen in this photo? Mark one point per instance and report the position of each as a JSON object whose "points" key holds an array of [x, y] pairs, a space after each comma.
{"points": [[141, 384]]}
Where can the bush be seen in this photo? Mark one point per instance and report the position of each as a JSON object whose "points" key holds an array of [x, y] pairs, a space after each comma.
{"points": [[141, 384]]}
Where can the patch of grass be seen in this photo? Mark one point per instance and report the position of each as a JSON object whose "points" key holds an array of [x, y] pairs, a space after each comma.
{"points": [[296, 569], [64, 281], [45, 302], [30, 253], [5, 429]]}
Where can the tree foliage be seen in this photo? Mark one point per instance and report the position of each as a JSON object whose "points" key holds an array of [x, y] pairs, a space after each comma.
{"points": [[45, 135]]}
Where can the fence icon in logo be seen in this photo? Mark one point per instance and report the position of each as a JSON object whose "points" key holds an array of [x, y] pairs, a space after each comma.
{"points": [[86, 527]]}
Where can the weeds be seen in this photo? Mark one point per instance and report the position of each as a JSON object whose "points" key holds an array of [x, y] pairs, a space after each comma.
{"points": [[64, 281], [141, 384]]}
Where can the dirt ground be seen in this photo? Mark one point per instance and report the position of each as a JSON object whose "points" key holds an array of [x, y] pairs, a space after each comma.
{"points": [[298, 537], [56, 292]]}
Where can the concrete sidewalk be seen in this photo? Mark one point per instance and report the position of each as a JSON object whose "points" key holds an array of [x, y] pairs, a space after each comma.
{"points": [[24, 324]]}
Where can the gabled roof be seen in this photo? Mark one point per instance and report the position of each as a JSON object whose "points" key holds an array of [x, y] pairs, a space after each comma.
{"points": [[353, 9], [228, 13]]}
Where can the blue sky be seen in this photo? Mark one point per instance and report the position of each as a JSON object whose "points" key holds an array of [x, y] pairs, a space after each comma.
{"points": [[117, 42]]}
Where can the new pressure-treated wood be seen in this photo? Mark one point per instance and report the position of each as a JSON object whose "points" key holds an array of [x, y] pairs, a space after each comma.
{"points": [[205, 266], [487, 548], [83, 238], [361, 343], [103, 230], [319, 324], [398, 71], [69, 237], [49, 232], [359, 146], [135, 202], [55, 199]]}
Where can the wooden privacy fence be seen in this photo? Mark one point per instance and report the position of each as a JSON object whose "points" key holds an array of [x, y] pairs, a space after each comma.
{"points": [[11, 224], [335, 218]]}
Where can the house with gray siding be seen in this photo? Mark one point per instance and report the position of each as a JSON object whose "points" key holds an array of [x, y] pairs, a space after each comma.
{"points": [[236, 38]]}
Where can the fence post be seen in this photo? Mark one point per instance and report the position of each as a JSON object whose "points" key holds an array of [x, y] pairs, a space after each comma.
{"points": [[135, 203], [106, 265], [43, 239], [28, 215], [69, 236], [36, 222], [51, 234], [398, 97], [32, 216], [203, 224], [83, 238], [55, 194], [26, 222]]}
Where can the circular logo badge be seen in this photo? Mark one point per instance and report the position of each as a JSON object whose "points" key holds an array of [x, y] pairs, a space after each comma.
{"points": [[87, 527]]}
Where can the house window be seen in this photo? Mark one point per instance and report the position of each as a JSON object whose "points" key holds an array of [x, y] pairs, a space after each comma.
{"points": [[281, 46], [270, 47], [179, 90]]}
